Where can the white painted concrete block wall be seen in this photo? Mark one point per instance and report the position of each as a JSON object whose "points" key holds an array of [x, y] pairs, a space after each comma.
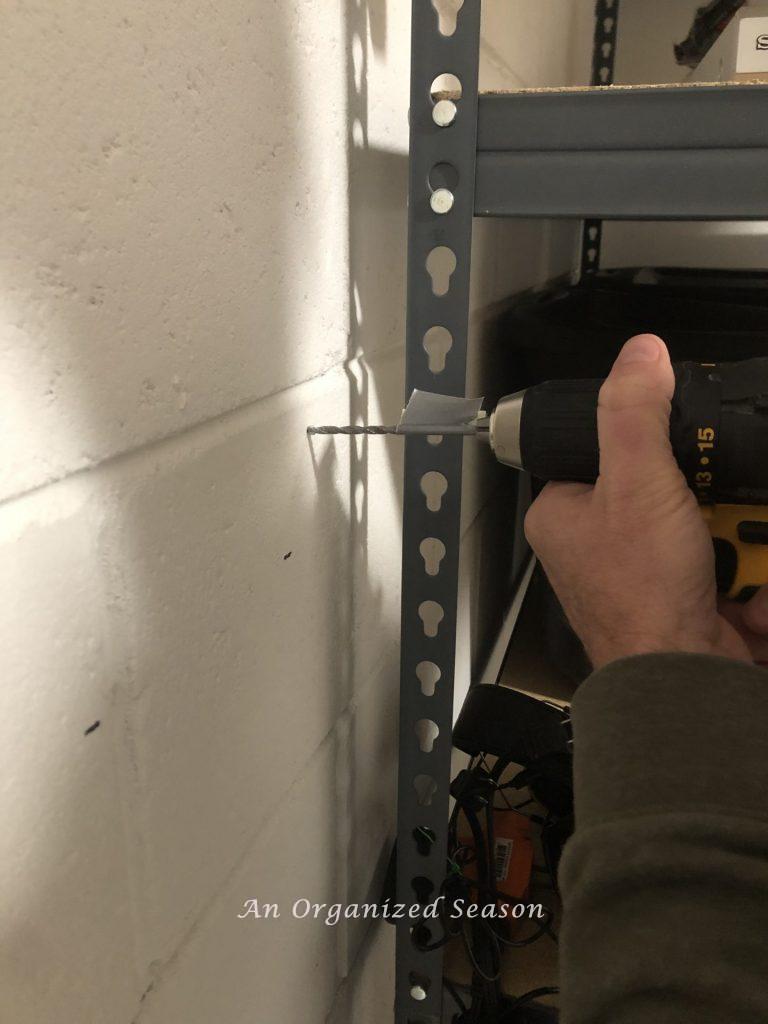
{"points": [[203, 240]]}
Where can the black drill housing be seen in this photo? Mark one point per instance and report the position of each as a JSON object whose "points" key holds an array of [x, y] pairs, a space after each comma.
{"points": [[718, 430]]}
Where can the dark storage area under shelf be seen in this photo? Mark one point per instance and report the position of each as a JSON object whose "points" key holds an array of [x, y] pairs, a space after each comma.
{"points": [[575, 330]]}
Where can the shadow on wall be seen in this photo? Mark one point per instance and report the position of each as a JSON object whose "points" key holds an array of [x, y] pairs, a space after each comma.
{"points": [[377, 181], [172, 284]]}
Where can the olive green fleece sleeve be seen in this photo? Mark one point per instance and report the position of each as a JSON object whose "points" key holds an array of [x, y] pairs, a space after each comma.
{"points": [[665, 880]]}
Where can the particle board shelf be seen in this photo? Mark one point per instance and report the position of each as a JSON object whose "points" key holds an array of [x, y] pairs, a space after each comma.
{"points": [[693, 152]]}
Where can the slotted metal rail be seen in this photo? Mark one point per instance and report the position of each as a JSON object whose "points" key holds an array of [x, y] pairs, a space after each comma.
{"points": [[641, 153], [442, 156], [603, 58]]}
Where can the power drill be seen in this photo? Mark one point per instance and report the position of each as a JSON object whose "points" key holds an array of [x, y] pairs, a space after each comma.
{"points": [[719, 434]]}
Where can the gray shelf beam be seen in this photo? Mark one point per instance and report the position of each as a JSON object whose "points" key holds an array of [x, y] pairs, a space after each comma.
{"points": [[677, 152], [624, 118], [711, 184]]}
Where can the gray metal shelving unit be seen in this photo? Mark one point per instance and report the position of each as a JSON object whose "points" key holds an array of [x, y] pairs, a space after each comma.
{"points": [[697, 152]]}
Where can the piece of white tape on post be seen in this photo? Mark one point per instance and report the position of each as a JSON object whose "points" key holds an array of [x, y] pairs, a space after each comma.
{"points": [[425, 408]]}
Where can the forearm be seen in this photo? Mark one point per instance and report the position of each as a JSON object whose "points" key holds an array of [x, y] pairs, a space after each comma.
{"points": [[665, 882]]}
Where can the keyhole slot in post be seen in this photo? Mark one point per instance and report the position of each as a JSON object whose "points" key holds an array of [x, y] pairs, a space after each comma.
{"points": [[440, 264], [423, 887], [426, 733], [443, 175], [432, 550], [438, 342], [433, 487], [424, 838], [419, 982], [428, 675], [447, 15], [431, 614], [445, 87]]}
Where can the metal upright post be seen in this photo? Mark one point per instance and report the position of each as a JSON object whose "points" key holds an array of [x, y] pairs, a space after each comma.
{"points": [[443, 131], [603, 57]]}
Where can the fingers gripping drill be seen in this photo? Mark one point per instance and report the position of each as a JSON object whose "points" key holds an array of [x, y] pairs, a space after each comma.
{"points": [[719, 436]]}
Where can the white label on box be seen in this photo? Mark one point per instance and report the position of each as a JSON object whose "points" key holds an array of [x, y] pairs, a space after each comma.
{"points": [[503, 855], [752, 53]]}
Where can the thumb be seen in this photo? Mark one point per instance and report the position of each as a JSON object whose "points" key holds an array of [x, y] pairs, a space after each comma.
{"points": [[633, 418]]}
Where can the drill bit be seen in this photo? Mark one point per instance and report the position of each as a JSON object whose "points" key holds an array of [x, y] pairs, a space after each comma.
{"points": [[351, 430], [405, 428], [459, 415]]}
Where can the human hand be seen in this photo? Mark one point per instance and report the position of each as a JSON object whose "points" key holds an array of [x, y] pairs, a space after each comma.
{"points": [[631, 558]]}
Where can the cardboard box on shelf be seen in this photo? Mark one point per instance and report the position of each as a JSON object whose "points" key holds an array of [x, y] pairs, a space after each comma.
{"points": [[741, 52]]}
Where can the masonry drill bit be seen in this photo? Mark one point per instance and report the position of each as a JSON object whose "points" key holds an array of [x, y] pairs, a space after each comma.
{"points": [[404, 428], [423, 415]]}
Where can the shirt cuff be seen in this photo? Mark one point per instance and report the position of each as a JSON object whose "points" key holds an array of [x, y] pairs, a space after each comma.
{"points": [[671, 732]]}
